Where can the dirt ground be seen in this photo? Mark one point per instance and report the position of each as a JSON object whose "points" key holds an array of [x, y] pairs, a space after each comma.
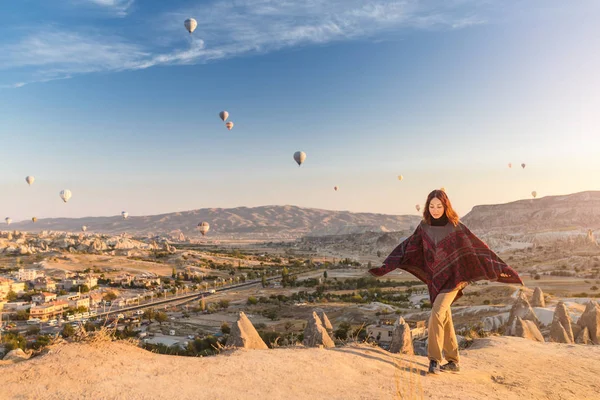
{"points": [[492, 368]]}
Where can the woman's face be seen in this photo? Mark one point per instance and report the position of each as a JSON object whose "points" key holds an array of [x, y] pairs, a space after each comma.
{"points": [[436, 208]]}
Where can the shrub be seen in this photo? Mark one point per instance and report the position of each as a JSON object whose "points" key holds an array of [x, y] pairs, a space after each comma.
{"points": [[252, 300], [223, 303], [67, 331], [225, 328], [342, 331]]}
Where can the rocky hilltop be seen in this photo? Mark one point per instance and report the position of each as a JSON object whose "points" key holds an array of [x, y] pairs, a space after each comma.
{"points": [[577, 211], [241, 222], [20, 243]]}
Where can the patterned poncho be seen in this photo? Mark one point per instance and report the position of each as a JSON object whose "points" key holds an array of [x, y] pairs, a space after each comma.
{"points": [[446, 258]]}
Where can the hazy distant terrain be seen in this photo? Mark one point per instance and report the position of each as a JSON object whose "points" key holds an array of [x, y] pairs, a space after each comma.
{"points": [[573, 211], [256, 222]]}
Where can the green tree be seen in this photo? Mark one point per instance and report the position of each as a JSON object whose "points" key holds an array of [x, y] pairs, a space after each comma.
{"points": [[271, 314], [13, 340], [22, 315], [161, 317], [148, 314], [285, 274], [264, 281], [325, 274], [11, 296]]}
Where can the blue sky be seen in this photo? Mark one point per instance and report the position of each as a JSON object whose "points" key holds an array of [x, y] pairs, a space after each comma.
{"points": [[115, 101]]}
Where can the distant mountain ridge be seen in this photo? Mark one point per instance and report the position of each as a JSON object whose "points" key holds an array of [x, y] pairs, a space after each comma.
{"points": [[573, 211], [240, 222]]}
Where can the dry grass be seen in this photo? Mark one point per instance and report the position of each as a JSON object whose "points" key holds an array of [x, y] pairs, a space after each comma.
{"points": [[407, 377]]}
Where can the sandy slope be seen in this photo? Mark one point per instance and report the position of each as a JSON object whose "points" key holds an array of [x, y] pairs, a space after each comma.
{"points": [[494, 368]]}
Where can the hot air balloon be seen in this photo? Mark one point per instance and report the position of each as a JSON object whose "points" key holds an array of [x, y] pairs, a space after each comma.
{"points": [[400, 177], [523, 165], [84, 228], [30, 179], [124, 214], [224, 115], [299, 156], [534, 194], [203, 227], [34, 220], [65, 195], [190, 24], [229, 125], [8, 220], [418, 207], [335, 188], [509, 165]]}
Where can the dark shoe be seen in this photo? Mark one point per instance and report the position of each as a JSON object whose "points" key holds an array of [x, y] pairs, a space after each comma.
{"points": [[434, 367], [451, 366]]}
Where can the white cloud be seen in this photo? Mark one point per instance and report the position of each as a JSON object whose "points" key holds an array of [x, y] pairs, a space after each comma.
{"points": [[120, 7], [228, 29]]}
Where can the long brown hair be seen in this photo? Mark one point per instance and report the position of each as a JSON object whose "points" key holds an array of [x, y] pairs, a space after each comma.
{"points": [[443, 197]]}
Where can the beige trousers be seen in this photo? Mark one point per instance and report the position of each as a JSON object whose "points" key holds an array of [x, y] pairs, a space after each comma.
{"points": [[441, 329]]}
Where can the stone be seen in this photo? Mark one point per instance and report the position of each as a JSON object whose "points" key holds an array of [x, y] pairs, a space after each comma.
{"points": [[325, 321], [401, 338], [560, 330], [537, 300], [315, 334], [590, 319], [243, 334], [521, 309], [583, 337], [17, 355], [528, 330]]}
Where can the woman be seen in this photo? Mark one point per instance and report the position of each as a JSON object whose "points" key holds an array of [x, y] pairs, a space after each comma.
{"points": [[446, 256]]}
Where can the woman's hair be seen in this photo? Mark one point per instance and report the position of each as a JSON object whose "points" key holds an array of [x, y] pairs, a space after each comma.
{"points": [[450, 213]]}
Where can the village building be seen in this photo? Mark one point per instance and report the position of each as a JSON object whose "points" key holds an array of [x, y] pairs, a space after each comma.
{"points": [[29, 274], [44, 297], [43, 283], [8, 285]]}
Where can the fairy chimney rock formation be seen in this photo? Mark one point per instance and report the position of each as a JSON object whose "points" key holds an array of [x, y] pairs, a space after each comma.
{"points": [[560, 330], [583, 337], [590, 236], [537, 300], [315, 334], [521, 309], [402, 338], [243, 334], [528, 330], [325, 321], [590, 319]]}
